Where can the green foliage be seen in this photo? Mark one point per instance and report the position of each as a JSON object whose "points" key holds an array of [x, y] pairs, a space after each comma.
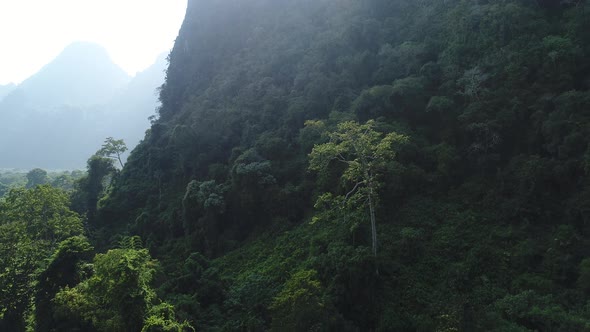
{"points": [[118, 296], [36, 177], [33, 222], [11, 179], [43, 212], [300, 306], [113, 148], [483, 215], [368, 150], [365, 152], [65, 269], [65, 180], [130, 243], [489, 198], [161, 318], [58, 179], [93, 187], [533, 311], [20, 257], [3, 189]]}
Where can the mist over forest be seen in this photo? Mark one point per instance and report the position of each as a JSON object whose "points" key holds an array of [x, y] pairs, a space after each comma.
{"points": [[311, 165], [61, 115]]}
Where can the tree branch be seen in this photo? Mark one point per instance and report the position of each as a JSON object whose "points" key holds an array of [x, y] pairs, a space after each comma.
{"points": [[353, 190]]}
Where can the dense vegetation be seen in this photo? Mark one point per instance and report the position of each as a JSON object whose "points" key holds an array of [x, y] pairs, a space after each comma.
{"points": [[387, 165], [64, 180]]}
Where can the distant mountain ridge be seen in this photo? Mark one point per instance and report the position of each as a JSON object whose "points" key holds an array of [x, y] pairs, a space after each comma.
{"points": [[6, 89], [59, 117], [82, 74]]}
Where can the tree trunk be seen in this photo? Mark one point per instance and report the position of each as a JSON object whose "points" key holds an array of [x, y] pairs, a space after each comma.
{"points": [[373, 226], [120, 162], [373, 229]]}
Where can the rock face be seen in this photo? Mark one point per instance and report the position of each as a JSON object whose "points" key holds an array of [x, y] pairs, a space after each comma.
{"points": [[59, 117]]}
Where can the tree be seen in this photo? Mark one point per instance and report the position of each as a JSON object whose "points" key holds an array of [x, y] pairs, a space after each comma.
{"points": [[301, 304], [365, 152], [20, 256], [119, 296], [63, 181], [44, 213], [91, 188], [3, 189], [113, 148], [32, 224], [36, 177], [64, 269]]}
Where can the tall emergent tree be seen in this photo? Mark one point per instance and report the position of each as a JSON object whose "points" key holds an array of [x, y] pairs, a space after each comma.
{"points": [[91, 188], [113, 148], [365, 153]]}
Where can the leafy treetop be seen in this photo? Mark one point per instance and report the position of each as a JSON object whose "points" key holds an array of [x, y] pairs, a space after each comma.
{"points": [[113, 148]]}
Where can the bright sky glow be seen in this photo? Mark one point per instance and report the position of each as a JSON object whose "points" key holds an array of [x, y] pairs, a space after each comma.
{"points": [[134, 32]]}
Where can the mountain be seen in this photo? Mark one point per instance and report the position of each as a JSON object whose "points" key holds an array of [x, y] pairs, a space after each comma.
{"points": [[136, 102], [61, 115], [6, 89], [482, 215], [332, 165], [81, 75]]}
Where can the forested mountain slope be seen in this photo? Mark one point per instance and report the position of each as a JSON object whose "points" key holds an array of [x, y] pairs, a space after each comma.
{"points": [[482, 216], [460, 127]]}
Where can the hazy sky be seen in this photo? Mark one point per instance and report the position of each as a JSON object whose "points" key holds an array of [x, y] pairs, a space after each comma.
{"points": [[134, 32]]}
